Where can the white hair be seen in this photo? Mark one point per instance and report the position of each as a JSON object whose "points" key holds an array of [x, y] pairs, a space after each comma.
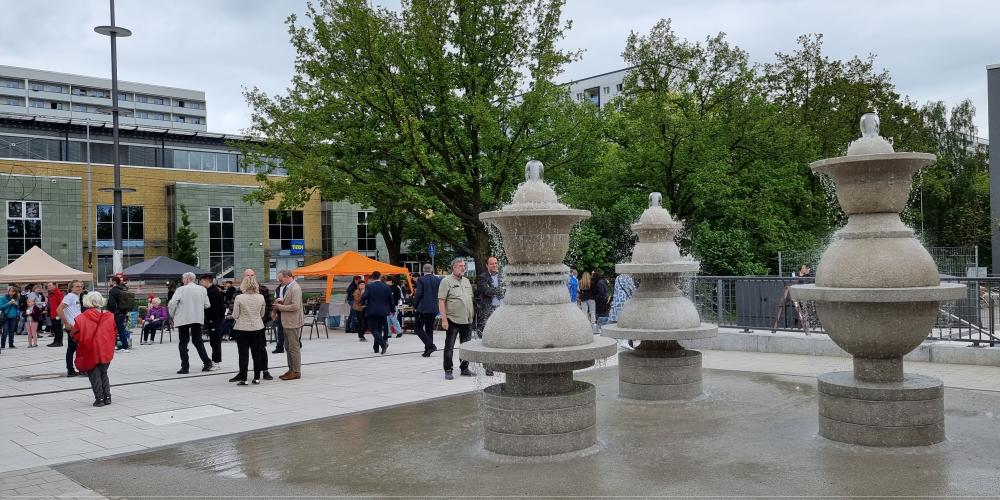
{"points": [[189, 276], [456, 260], [94, 300]]}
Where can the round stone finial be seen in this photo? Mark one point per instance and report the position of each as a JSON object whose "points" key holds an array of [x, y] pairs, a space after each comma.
{"points": [[655, 199], [869, 124], [533, 170]]}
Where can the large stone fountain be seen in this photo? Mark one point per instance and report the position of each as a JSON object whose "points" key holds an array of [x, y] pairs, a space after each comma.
{"points": [[537, 338], [877, 293], [659, 315]]}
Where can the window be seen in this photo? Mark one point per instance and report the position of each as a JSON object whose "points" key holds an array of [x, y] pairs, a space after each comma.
{"points": [[24, 227], [82, 108], [132, 218], [619, 87], [13, 84], [367, 244], [79, 91], [607, 90], [11, 101], [284, 226], [180, 104], [35, 103], [122, 96], [179, 118], [221, 254]]}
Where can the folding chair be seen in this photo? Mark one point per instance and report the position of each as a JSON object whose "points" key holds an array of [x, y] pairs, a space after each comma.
{"points": [[320, 316], [167, 326]]}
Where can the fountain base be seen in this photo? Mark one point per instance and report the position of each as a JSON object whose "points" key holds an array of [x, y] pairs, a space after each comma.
{"points": [[905, 413], [541, 424], [659, 371]]}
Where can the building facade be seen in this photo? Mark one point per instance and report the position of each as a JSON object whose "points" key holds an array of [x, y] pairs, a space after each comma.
{"points": [[53, 169], [599, 89]]}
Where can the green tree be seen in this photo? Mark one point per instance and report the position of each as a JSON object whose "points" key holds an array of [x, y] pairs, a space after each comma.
{"points": [[184, 247], [429, 113]]}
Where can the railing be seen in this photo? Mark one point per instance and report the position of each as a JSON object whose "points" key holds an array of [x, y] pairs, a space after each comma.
{"points": [[761, 302]]}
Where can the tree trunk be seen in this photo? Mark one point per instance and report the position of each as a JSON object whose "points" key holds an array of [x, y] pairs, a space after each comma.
{"points": [[392, 234], [479, 243]]}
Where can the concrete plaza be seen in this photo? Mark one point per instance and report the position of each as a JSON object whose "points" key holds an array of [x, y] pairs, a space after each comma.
{"points": [[50, 420]]}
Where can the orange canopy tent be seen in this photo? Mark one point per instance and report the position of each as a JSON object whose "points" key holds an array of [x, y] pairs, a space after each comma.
{"points": [[349, 263]]}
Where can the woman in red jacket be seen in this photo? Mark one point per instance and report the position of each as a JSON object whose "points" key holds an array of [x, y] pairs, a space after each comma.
{"points": [[95, 335]]}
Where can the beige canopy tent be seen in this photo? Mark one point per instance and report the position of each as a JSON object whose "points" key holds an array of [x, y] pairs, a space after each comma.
{"points": [[36, 266]]}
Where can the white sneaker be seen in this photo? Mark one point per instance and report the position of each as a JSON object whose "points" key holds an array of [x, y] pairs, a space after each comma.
{"points": [[215, 366]]}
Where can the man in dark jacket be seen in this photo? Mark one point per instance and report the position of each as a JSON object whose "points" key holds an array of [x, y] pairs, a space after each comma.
{"points": [[352, 320], [114, 300], [214, 315], [426, 304], [377, 300], [601, 295], [489, 293]]}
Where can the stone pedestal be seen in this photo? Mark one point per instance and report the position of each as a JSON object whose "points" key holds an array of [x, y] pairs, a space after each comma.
{"points": [[905, 413], [540, 424], [650, 374]]}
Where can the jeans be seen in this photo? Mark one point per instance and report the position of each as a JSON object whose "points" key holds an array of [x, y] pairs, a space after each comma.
{"points": [[590, 308], [380, 331], [122, 331], [99, 382], [9, 327], [251, 344], [191, 332], [57, 332], [70, 354], [425, 329], [464, 334]]}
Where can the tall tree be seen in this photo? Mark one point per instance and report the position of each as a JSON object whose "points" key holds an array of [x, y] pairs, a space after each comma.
{"points": [[427, 114], [184, 247]]}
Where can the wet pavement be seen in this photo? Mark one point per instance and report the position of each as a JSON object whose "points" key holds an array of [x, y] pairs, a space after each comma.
{"points": [[752, 434]]}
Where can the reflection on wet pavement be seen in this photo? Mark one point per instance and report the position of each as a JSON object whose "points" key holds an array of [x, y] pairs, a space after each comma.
{"points": [[752, 434]]}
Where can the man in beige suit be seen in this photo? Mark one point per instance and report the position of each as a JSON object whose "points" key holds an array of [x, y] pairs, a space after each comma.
{"points": [[290, 307]]}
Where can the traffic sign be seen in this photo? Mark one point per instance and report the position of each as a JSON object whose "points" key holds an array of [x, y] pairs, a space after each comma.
{"points": [[431, 249]]}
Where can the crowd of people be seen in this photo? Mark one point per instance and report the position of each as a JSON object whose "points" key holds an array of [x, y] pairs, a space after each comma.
{"points": [[93, 327]]}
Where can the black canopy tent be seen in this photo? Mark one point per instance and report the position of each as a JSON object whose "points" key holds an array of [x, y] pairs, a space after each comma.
{"points": [[161, 268]]}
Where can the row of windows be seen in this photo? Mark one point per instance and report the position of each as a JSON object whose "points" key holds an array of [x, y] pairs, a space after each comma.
{"points": [[84, 108], [32, 148], [24, 227], [59, 88]]}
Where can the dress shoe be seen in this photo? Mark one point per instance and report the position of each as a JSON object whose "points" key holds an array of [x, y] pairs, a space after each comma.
{"points": [[468, 373], [384, 347], [72, 374], [207, 368], [294, 376], [284, 376], [54, 345], [182, 371], [448, 375], [242, 382], [399, 335], [238, 379], [99, 403], [107, 401], [267, 376], [278, 351], [426, 354], [255, 381]]}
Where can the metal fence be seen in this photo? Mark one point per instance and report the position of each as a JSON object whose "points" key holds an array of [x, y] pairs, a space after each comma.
{"points": [[762, 302]]}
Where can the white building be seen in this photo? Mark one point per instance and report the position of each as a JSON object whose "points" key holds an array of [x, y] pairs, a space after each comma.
{"points": [[66, 96], [599, 89]]}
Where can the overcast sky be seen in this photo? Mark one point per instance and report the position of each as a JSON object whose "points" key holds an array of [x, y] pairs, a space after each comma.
{"points": [[934, 50]]}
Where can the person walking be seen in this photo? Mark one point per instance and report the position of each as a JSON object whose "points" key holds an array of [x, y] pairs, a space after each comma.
{"points": [[601, 294], [187, 308], [396, 318], [624, 288], [248, 313], [586, 300], [377, 303], [10, 310], [456, 305], [32, 317], [573, 285], [426, 304], [94, 333], [352, 316], [214, 315], [156, 316], [358, 310], [116, 307], [68, 310], [290, 307], [55, 298]]}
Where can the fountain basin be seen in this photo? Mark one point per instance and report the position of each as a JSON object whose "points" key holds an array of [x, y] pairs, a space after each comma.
{"points": [[535, 235], [598, 348], [872, 183], [703, 331]]}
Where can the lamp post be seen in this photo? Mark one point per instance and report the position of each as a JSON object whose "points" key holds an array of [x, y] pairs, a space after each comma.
{"points": [[114, 32]]}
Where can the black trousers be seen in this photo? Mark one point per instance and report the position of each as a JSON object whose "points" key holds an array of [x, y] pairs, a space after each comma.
{"points": [[214, 340], [464, 334], [191, 332], [99, 382], [380, 330], [70, 354], [57, 331], [424, 326], [251, 344]]}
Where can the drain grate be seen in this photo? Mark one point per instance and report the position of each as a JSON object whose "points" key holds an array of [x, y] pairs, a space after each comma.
{"points": [[184, 414]]}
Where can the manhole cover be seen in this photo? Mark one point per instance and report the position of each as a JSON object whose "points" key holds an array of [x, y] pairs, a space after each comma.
{"points": [[184, 414]]}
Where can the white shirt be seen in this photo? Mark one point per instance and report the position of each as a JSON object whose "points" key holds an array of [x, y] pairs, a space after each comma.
{"points": [[72, 309]]}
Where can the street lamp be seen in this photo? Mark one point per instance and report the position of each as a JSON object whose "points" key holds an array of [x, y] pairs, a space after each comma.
{"points": [[114, 32]]}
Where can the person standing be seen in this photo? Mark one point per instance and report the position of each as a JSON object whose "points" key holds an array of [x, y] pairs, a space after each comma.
{"points": [[248, 313], [9, 312], [396, 318], [573, 285], [624, 288], [358, 310], [55, 298], [426, 304], [290, 307], [68, 311], [352, 317], [601, 294], [214, 315], [587, 300], [456, 305], [187, 308], [32, 317], [115, 307], [377, 303], [489, 293], [279, 330], [94, 333]]}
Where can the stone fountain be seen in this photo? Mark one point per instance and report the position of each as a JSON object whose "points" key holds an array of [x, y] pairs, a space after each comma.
{"points": [[659, 315], [877, 293], [537, 338]]}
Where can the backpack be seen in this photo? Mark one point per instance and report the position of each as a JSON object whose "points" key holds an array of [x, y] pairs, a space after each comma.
{"points": [[126, 301]]}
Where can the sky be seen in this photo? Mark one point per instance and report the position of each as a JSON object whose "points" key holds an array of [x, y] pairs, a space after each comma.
{"points": [[934, 50]]}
